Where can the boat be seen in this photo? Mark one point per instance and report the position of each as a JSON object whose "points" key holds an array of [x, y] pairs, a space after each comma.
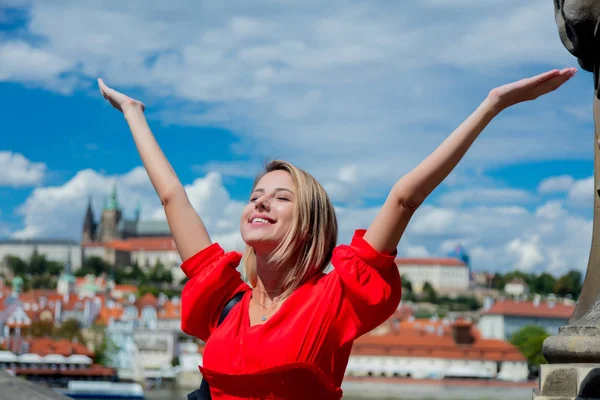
{"points": [[103, 390]]}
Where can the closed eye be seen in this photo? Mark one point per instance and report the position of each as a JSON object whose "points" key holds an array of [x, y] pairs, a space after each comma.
{"points": [[283, 199]]}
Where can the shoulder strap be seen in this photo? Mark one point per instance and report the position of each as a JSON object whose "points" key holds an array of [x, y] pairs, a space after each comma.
{"points": [[234, 300]]}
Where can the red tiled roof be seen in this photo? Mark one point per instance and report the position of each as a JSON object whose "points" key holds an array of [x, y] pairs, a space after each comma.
{"points": [[170, 310], [147, 300], [446, 262], [126, 288], [528, 309], [411, 341], [121, 245], [161, 243], [44, 346]]}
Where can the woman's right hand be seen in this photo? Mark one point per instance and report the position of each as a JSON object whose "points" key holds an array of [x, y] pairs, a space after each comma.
{"points": [[118, 100]]}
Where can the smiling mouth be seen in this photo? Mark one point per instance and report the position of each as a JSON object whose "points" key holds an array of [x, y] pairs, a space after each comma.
{"points": [[261, 221]]}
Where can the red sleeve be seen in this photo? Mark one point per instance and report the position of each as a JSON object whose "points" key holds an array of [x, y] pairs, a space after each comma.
{"points": [[370, 287], [213, 281]]}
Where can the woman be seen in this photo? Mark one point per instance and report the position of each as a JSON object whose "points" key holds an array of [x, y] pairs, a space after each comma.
{"points": [[291, 334]]}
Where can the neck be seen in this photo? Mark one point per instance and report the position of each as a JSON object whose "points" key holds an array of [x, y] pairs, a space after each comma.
{"points": [[269, 278]]}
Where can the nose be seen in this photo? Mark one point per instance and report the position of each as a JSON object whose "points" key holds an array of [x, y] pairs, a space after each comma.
{"points": [[262, 203]]}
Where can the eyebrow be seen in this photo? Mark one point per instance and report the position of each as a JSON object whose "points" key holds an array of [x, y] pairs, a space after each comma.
{"points": [[275, 191]]}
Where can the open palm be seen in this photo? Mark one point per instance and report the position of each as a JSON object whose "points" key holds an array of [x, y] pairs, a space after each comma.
{"points": [[531, 88], [118, 100]]}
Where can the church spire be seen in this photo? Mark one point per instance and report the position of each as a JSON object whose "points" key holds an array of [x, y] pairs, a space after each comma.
{"points": [[69, 262], [138, 211], [89, 225], [113, 203]]}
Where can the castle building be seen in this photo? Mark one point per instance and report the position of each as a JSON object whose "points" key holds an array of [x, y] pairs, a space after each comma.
{"points": [[123, 242], [114, 226]]}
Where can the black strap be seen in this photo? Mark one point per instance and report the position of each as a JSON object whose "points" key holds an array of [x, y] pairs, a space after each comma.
{"points": [[203, 393]]}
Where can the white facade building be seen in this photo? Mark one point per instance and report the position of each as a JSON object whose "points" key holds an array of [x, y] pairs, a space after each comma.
{"points": [[428, 349], [445, 275], [516, 288], [503, 318], [436, 368], [58, 250]]}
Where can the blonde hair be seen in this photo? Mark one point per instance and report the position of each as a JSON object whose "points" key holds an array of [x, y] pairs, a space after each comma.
{"points": [[309, 244]]}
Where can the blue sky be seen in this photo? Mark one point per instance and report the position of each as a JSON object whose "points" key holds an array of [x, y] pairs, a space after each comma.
{"points": [[355, 94]]}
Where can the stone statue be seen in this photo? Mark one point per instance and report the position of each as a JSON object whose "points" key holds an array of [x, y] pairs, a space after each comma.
{"points": [[573, 371], [576, 21]]}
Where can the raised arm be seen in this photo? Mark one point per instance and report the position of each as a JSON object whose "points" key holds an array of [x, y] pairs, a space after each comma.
{"points": [[412, 189], [188, 230]]}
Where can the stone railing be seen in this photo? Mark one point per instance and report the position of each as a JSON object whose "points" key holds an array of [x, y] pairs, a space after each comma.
{"points": [[14, 388]]}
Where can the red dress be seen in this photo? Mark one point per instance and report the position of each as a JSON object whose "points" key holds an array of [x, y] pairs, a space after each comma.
{"points": [[302, 350]]}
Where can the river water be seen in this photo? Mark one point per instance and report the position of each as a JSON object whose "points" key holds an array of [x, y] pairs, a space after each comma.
{"points": [[384, 391]]}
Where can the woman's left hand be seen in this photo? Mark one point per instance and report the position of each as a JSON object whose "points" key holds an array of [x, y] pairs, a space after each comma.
{"points": [[529, 88]]}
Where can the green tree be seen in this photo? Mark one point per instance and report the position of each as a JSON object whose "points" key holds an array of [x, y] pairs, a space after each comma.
{"points": [[175, 361], [544, 284], [43, 282], [570, 283], [70, 330], [42, 328], [105, 351], [429, 294], [498, 281], [95, 266], [529, 340], [406, 284], [160, 274], [39, 265], [17, 266], [131, 274]]}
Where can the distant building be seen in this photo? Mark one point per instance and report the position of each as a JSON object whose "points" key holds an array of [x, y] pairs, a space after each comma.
{"points": [[516, 287], [58, 250], [460, 253], [123, 242], [502, 319], [145, 333], [113, 225], [482, 279], [436, 349], [446, 275]]}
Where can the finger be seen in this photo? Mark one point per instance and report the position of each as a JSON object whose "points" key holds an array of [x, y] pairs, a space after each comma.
{"points": [[551, 85], [555, 74], [103, 87], [537, 79]]}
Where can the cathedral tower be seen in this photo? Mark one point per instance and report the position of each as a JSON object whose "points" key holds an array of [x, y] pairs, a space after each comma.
{"points": [[111, 216], [89, 225]]}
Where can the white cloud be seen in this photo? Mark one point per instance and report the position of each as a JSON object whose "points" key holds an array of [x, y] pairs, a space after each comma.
{"points": [[556, 184], [367, 84], [58, 211], [527, 252], [18, 171], [551, 237], [416, 251], [551, 210], [582, 193], [485, 196], [23, 63]]}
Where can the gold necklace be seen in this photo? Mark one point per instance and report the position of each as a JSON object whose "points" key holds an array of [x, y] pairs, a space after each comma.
{"points": [[269, 309]]}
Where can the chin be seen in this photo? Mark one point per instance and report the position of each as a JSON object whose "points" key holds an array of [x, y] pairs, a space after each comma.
{"points": [[261, 244]]}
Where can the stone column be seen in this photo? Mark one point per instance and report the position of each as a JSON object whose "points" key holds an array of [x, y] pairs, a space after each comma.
{"points": [[573, 355]]}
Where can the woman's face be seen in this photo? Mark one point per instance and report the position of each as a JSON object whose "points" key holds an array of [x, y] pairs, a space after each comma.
{"points": [[269, 214]]}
